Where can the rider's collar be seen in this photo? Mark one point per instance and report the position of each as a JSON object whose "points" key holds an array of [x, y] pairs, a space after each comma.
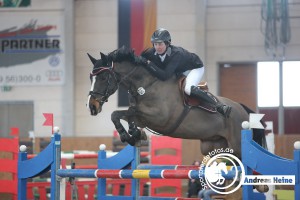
{"points": [[167, 52]]}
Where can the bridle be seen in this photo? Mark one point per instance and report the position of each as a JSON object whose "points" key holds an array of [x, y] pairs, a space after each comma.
{"points": [[107, 92], [112, 79]]}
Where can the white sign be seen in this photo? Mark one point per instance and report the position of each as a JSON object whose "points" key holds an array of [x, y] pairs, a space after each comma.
{"points": [[254, 120], [269, 180], [32, 49]]}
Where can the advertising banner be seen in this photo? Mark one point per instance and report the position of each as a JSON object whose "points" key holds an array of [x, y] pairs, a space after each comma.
{"points": [[32, 49]]}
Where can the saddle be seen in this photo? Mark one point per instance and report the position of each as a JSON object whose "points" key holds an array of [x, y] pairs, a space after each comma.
{"points": [[195, 102]]}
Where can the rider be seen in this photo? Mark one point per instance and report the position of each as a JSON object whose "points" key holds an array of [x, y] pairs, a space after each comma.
{"points": [[164, 59]]}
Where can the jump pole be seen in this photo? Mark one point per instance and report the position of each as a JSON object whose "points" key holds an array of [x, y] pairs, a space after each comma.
{"points": [[49, 159], [129, 156]]}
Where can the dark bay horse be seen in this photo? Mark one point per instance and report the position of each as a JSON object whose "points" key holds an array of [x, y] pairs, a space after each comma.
{"points": [[158, 105]]}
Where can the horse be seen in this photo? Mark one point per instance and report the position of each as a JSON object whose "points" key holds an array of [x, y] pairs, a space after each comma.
{"points": [[162, 106]]}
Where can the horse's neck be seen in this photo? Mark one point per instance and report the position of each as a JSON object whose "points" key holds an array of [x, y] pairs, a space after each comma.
{"points": [[133, 76], [156, 91]]}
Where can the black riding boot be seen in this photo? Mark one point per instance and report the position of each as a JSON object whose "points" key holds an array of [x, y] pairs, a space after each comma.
{"points": [[221, 108]]}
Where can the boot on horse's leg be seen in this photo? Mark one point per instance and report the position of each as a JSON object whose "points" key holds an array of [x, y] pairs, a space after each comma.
{"points": [[221, 108], [135, 135], [125, 137], [134, 131]]}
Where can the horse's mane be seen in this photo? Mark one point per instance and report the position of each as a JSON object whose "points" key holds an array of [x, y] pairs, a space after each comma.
{"points": [[124, 54]]}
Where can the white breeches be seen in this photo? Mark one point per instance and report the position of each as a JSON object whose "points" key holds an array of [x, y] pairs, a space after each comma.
{"points": [[193, 78]]}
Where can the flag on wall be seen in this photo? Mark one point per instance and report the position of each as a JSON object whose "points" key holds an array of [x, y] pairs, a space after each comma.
{"points": [[136, 23]]}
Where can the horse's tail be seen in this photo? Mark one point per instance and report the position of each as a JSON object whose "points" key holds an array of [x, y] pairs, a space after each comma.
{"points": [[258, 134]]}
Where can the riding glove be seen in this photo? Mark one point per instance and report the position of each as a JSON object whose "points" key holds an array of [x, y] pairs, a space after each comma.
{"points": [[141, 60]]}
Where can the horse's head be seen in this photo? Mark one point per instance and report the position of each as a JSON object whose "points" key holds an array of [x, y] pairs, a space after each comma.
{"points": [[103, 83]]}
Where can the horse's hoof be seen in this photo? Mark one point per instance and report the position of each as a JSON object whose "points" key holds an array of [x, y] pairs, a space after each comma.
{"points": [[143, 135], [124, 137], [138, 143], [136, 133], [131, 141], [262, 188]]}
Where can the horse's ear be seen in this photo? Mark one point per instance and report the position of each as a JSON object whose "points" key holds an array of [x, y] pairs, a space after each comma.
{"points": [[93, 60], [103, 57]]}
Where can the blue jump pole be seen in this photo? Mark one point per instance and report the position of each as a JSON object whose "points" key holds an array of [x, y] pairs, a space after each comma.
{"points": [[129, 156], [48, 159], [297, 173]]}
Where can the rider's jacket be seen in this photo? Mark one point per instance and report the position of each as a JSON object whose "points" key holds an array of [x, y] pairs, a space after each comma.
{"points": [[177, 60]]}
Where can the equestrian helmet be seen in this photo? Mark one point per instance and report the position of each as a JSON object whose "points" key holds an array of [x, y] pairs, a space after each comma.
{"points": [[161, 35]]}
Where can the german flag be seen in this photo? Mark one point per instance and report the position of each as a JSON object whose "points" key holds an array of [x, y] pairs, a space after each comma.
{"points": [[136, 23]]}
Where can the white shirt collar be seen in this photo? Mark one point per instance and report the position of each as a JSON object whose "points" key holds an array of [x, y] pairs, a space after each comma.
{"points": [[162, 57]]}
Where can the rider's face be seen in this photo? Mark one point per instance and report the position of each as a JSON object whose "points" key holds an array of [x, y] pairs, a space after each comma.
{"points": [[160, 47]]}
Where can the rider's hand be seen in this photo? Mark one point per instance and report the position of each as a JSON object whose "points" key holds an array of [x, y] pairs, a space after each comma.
{"points": [[141, 60]]}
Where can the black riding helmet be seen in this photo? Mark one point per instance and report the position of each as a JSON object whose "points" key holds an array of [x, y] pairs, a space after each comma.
{"points": [[161, 35]]}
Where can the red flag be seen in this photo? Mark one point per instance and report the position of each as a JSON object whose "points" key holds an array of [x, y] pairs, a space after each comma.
{"points": [[14, 131], [49, 119]]}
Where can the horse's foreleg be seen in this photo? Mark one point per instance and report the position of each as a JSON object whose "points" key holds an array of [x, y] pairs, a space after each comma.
{"points": [[116, 117], [136, 133], [133, 130]]}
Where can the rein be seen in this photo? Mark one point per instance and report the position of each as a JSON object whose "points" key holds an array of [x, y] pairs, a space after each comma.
{"points": [[134, 92], [127, 75], [105, 95]]}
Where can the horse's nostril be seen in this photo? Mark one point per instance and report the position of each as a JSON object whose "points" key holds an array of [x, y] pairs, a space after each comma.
{"points": [[93, 109]]}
